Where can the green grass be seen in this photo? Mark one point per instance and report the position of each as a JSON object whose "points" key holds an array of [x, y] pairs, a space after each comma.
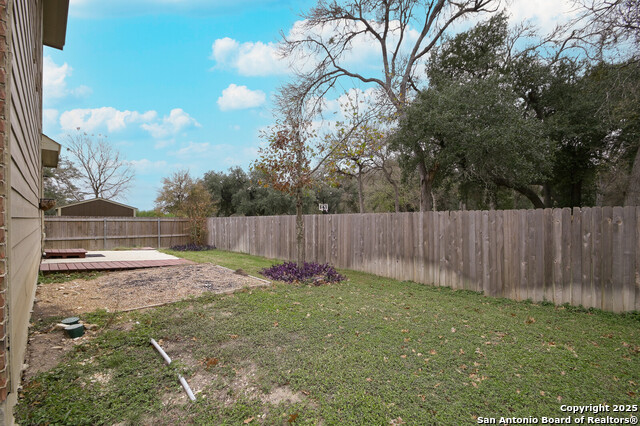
{"points": [[366, 351], [63, 277]]}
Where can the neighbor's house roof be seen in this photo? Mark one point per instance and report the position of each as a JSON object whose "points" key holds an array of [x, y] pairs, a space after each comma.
{"points": [[50, 151], [93, 200], [54, 25]]}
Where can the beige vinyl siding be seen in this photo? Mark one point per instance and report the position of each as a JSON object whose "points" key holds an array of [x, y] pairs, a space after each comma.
{"points": [[24, 217]]}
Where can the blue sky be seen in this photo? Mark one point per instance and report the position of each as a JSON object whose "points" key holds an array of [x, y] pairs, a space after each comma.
{"points": [[178, 84]]}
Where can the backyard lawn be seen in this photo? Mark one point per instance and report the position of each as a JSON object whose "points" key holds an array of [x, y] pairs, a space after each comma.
{"points": [[370, 350]]}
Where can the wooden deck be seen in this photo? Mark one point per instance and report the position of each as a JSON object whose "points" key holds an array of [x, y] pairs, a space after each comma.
{"points": [[64, 253], [111, 265]]}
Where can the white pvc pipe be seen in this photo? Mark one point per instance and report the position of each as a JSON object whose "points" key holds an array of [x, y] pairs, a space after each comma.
{"points": [[183, 382]]}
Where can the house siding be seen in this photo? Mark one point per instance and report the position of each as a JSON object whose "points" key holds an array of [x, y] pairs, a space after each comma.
{"points": [[22, 162], [4, 139]]}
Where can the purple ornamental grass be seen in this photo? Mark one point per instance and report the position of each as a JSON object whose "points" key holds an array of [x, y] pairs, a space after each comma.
{"points": [[289, 272]]}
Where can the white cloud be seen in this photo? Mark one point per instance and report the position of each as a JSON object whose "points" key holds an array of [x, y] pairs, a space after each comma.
{"points": [[115, 120], [163, 143], [81, 91], [224, 50], [54, 77], [239, 97], [146, 166], [249, 58], [91, 119], [54, 81], [170, 125], [193, 148], [545, 14]]}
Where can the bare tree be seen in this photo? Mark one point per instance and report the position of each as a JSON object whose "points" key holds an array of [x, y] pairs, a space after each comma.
{"points": [[608, 25], [404, 32], [103, 171]]}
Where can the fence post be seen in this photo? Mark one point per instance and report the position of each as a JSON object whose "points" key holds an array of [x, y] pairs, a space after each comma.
{"points": [[104, 235], [158, 232]]}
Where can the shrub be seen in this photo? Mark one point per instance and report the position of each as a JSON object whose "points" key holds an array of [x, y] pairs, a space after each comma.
{"points": [[192, 247], [310, 273]]}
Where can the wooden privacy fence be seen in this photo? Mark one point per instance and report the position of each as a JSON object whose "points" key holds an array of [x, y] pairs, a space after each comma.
{"points": [[105, 233], [584, 256]]}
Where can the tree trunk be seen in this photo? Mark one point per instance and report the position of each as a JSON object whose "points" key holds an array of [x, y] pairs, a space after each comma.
{"points": [[576, 194], [425, 188], [360, 192], [522, 189], [396, 194], [300, 254], [396, 190], [632, 196], [546, 190]]}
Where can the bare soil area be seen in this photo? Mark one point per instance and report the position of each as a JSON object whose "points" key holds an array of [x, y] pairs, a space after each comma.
{"points": [[127, 290], [120, 291]]}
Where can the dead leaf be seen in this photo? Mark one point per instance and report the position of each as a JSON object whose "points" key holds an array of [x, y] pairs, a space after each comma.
{"points": [[474, 384], [559, 398], [542, 393], [369, 379], [453, 330], [530, 320], [233, 336], [403, 356], [248, 420], [293, 417], [405, 330], [433, 352], [211, 362], [275, 323]]}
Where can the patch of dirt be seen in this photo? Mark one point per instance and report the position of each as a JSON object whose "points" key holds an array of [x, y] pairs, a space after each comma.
{"points": [[118, 291], [125, 290], [45, 350], [282, 394]]}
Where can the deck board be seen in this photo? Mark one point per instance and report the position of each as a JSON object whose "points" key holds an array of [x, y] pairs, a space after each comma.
{"points": [[112, 265]]}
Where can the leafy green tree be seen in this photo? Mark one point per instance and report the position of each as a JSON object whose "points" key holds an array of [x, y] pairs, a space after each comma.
{"points": [[286, 166], [172, 197], [183, 196], [224, 186], [153, 213], [476, 132]]}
